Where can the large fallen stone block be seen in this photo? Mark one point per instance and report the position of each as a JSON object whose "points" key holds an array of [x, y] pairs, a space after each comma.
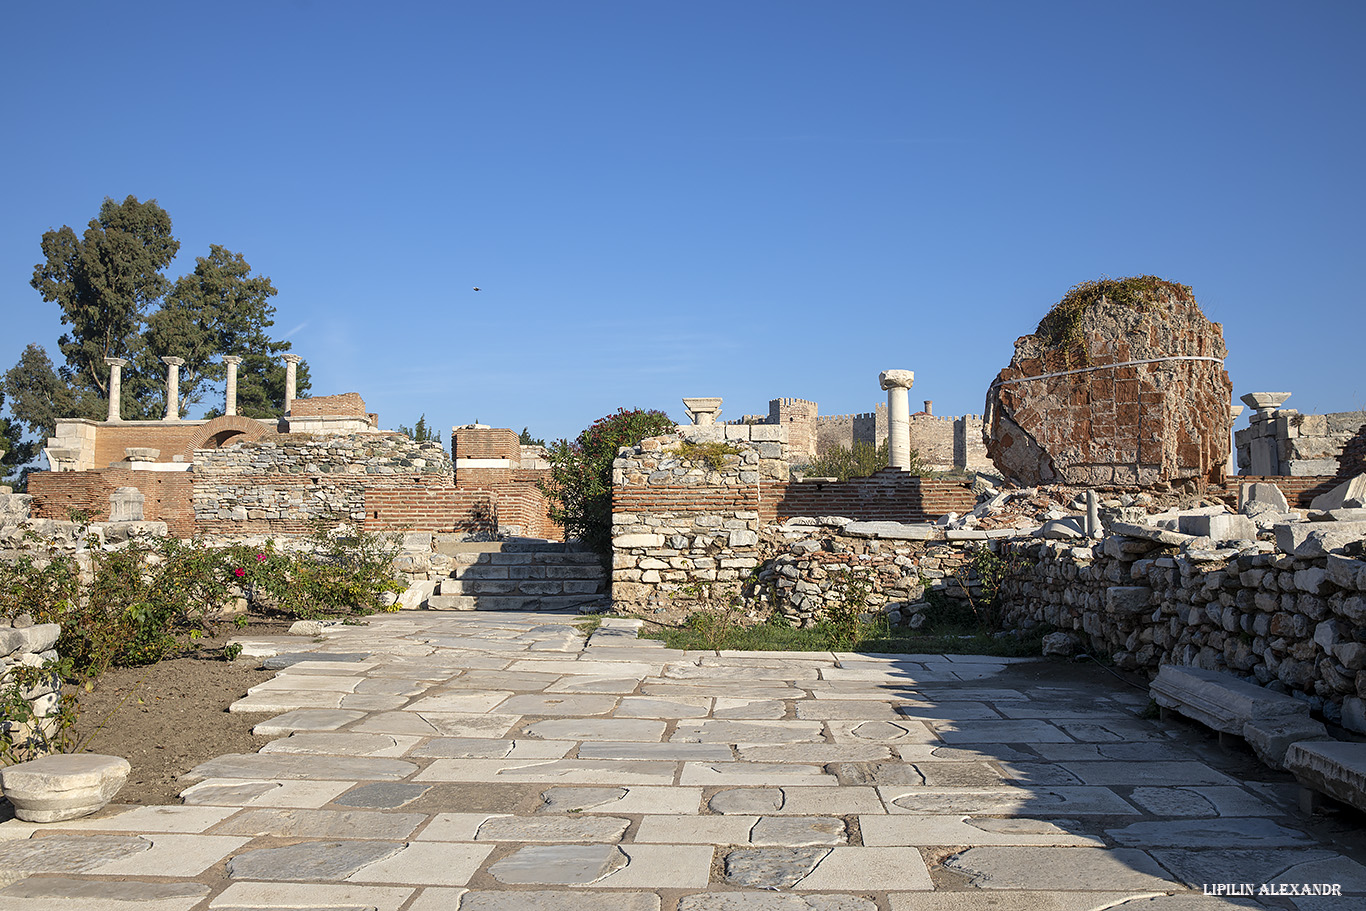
{"points": [[1347, 495], [1335, 768], [1317, 539], [1259, 497], [1222, 527], [1220, 701], [1270, 738], [63, 786]]}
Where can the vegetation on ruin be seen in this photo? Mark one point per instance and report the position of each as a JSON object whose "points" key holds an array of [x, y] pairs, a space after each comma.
{"points": [[420, 432], [115, 301], [579, 486], [714, 455], [526, 439], [859, 461], [1060, 329]]}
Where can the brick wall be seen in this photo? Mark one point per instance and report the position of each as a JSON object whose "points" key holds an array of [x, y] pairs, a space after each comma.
{"points": [[486, 443], [348, 404], [1299, 492], [889, 495], [167, 493]]}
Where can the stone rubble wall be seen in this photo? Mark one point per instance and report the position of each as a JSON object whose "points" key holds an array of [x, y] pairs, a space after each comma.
{"points": [[26, 644], [1293, 624], [811, 564], [678, 523]]}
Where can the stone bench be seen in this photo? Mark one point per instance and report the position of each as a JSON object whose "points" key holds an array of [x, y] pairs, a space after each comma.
{"points": [[1336, 768], [1270, 722]]}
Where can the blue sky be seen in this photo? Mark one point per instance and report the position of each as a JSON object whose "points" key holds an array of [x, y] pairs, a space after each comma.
{"points": [[743, 199]]}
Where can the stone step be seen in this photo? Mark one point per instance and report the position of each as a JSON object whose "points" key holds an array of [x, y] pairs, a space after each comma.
{"points": [[567, 602], [533, 587]]}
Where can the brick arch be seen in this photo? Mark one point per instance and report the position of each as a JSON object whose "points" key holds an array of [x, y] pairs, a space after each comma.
{"points": [[222, 431]]}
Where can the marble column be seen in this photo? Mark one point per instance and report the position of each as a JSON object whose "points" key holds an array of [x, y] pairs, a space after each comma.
{"points": [[291, 379], [116, 365], [898, 385], [230, 388], [173, 365], [703, 412]]}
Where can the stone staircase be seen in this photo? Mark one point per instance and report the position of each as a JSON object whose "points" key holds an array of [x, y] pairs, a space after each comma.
{"points": [[519, 574]]}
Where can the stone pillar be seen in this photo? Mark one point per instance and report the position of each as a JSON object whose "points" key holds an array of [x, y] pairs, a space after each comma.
{"points": [[230, 388], [898, 385], [1264, 450], [1233, 412], [116, 365], [291, 379], [703, 412], [173, 365]]}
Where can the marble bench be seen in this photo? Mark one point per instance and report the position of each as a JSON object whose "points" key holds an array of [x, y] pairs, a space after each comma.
{"points": [[1336, 768], [1270, 722]]}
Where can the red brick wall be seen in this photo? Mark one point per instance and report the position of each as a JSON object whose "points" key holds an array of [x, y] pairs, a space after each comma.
{"points": [[167, 493], [1299, 492], [487, 443], [348, 404], [889, 495]]}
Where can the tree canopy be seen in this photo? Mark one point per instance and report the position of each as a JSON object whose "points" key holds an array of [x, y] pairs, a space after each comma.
{"points": [[114, 296]]}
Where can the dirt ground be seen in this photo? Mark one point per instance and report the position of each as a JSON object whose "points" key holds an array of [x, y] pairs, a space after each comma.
{"points": [[167, 718]]}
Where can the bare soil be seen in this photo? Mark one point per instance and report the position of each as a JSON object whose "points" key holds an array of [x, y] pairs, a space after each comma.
{"points": [[167, 718]]}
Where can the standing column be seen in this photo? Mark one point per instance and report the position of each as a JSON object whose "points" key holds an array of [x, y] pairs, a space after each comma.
{"points": [[173, 365], [291, 379], [230, 388], [898, 385], [116, 365]]}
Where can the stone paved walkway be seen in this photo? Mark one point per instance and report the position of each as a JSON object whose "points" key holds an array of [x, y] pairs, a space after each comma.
{"points": [[484, 762]]}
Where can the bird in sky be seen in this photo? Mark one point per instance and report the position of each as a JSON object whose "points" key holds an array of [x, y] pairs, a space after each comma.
{"points": [[476, 289]]}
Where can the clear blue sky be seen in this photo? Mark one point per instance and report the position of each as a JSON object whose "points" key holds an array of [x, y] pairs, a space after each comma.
{"points": [[743, 199]]}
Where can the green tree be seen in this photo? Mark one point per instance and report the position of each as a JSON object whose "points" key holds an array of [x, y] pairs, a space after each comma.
{"points": [[221, 309], [580, 484], [104, 282], [526, 439], [859, 461], [421, 433]]}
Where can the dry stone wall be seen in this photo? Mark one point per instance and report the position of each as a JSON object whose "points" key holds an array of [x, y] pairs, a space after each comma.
{"points": [[686, 517], [1293, 624]]}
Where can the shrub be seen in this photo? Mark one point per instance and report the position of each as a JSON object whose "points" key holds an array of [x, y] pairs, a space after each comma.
{"points": [[859, 461], [580, 483]]}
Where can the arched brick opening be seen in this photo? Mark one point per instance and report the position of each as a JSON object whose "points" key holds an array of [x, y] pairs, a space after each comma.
{"points": [[224, 431]]}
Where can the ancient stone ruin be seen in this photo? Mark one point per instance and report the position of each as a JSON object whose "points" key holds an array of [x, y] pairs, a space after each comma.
{"points": [[1122, 384]]}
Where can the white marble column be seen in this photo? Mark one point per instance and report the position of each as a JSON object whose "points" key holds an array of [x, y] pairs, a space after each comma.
{"points": [[116, 365], [703, 412], [173, 365], [230, 388], [291, 379], [898, 385]]}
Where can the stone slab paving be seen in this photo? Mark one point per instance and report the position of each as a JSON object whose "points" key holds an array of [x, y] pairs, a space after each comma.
{"points": [[498, 761]]}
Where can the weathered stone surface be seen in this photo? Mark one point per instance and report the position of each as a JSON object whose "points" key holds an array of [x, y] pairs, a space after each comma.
{"points": [[1056, 415], [747, 801], [326, 860], [772, 868], [63, 786], [66, 853], [558, 865], [798, 831], [1337, 769], [1059, 868], [597, 829], [768, 901], [1350, 494], [526, 900], [1220, 701], [1317, 539], [382, 795], [1270, 738]]}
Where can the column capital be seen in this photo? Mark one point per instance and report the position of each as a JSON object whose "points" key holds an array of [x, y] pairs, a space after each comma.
{"points": [[173, 361], [290, 358], [891, 379], [116, 361], [232, 359]]}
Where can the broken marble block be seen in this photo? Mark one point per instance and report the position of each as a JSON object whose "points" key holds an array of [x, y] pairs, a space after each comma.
{"points": [[1261, 497], [1220, 701], [1347, 495], [1225, 527], [1270, 738], [1336, 768], [63, 786]]}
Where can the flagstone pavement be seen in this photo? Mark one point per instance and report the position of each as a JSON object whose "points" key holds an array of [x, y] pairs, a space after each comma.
{"points": [[491, 761]]}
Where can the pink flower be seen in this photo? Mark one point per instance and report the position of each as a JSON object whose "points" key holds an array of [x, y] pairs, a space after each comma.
{"points": [[261, 557], [239, 572]]}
